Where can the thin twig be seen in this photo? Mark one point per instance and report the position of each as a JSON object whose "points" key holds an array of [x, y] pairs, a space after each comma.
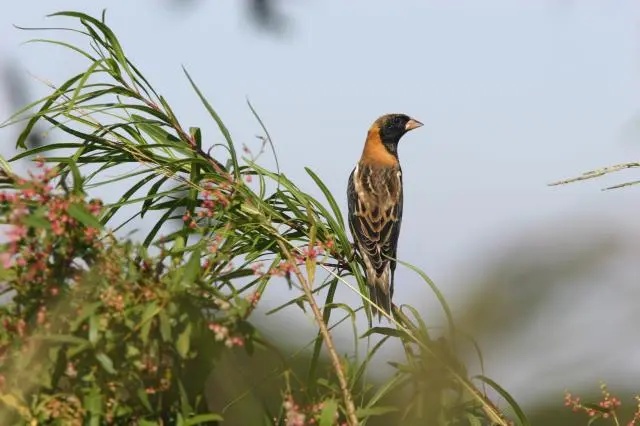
{"points": [[622, 185], [492, 412], [597, 173], [328, 340]]}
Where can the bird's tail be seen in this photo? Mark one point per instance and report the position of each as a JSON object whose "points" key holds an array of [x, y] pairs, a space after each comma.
{"points": [[380, 290]]}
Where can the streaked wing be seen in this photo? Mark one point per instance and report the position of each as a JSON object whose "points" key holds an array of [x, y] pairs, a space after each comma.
{"points": [[375, 212]]}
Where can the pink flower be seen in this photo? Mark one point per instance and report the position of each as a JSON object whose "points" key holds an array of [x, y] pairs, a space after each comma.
{"points": [[5, 258]]}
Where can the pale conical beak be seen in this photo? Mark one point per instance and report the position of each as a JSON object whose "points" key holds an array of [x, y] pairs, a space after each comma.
{"points": [[412, 124]]}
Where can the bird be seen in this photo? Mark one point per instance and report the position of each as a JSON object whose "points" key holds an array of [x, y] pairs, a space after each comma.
{"points": [[375, 197]]}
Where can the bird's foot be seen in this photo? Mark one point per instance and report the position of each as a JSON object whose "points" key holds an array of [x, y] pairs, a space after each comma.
{"points": [[352, 256]]}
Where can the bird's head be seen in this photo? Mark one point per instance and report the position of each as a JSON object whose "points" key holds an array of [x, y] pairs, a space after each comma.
{"points": [[384, 134], [391, 127]]}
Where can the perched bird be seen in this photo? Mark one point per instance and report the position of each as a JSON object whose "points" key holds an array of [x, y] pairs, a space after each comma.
{"points": [[374, 196]]}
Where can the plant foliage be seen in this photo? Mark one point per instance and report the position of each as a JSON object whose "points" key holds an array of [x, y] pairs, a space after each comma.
{"points": [[104, 331]]}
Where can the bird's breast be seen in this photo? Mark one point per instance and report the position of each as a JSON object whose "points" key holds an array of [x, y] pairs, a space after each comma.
{"points": [[378, 190]]}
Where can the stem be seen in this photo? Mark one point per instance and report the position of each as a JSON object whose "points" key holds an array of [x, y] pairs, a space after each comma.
{"points": [[597, 173], [492, 412], [326, 336]]}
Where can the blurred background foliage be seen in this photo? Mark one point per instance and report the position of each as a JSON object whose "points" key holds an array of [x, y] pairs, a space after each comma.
{"points": [[513, 296]]}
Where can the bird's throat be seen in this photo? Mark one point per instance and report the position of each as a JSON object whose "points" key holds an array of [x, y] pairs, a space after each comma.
{"points": [[377, 152], [392, 148]]}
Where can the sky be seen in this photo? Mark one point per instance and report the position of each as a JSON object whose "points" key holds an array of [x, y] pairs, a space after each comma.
{"points": [[513, 94]]}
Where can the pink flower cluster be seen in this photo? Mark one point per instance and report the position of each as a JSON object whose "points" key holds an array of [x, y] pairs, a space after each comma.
{"points": [[607, 406], [254, 298], [28, 209], [295, 415], [310, 252], [213, 198], [222, 334], [283, 269]]}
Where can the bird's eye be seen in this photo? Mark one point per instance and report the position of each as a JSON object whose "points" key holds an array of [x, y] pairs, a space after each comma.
{"points": [[397, 121]]}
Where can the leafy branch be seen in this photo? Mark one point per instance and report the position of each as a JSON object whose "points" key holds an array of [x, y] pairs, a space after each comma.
{"points": [[211, 267]]}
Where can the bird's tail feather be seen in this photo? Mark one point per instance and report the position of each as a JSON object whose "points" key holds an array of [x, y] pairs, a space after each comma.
{"points": [[379, 292]]}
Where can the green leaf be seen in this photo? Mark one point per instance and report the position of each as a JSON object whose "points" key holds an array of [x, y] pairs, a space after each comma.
{"points": [[185, 406], [594, 419], [266, 132], [19, 405], [328, 415], [332, 201], [436, 291], [374, 411], [151, 195], [370, 354], [78, 180], [154, 130], [144, 398], [4, 165], [94, 329], [60, 43], [71, 103], [51, 99], [62, 338], [192, 268], [165, 326], [106, 362], [522, 418], [396, 382], [36, 220], [156, 228], [87, 310], [184, 340], [473, 420], [45, 148], [93, 405], [127, 196], [386, 331], [203, 418], [82, 215], [113, 44], [422, 329], [150, 311], [221, 126]]}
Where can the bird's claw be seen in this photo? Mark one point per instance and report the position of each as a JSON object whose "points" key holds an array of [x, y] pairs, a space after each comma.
{"points": [[352, 256]]}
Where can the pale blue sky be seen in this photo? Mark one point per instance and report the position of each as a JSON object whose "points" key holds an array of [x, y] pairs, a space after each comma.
{"points": [[513, 94]]}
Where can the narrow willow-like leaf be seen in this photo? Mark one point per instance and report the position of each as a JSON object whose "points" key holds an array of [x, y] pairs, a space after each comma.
{"points": [[106, 362], [522, 418], [114, 44], [70, 104], [386, 331], [221, 126], [436, 291], [332, 202], [266, 132], [20, 143], [203, 418], [81, 214], [4, 164], [113, 209], [328, 414]]}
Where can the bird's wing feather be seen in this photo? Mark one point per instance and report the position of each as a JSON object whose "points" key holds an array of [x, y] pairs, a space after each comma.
{"points": [[375, 212]]}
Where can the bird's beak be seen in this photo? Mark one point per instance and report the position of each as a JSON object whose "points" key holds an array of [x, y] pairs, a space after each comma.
{"points": [[412, 124]]}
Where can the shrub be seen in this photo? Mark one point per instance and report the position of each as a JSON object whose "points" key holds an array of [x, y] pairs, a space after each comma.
{"points": [[101, 330]]}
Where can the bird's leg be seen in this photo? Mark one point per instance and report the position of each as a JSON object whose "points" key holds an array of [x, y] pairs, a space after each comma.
{"points": [[343, 264], [352, 256]]}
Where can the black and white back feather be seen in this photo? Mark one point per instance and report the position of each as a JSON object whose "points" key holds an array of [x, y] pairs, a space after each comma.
{"points": [[375, 215]]}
